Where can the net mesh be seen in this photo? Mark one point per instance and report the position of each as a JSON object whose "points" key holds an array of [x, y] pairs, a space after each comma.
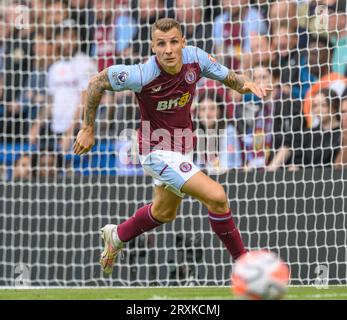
{"points": [[280, 160]]}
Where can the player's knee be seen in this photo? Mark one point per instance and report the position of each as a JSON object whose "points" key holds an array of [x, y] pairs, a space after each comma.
{"points": [[164, 215], [217, 201]]}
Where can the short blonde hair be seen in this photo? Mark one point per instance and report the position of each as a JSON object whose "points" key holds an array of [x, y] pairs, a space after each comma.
{"points": [[166, 24]]}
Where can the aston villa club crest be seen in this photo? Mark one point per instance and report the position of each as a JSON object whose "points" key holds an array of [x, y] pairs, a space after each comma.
{"points": [[190, 77], [185, 167]]}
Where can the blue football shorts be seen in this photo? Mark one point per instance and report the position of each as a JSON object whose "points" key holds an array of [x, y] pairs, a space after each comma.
{"points": [[169, 168]]}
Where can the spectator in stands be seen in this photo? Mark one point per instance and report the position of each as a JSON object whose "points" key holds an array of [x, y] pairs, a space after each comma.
{"points": [[319, 57], [17, 52], [23, 168], [113, 34], [233, 28], [289, 62], [285, 13], [106, 117], [67, 78], [316, 16], [34, 95], [264, 7], [31, 166], [4, 33], [2, 105], [127, 114], [82, 12], [288, 125], [326, 2], [37, 12], [260, 53], [218, 142], [145, 13], [254, 122], [228, 96], [197, 28], [341, 159], [320, 145], [282, 11], [54, 13], [48, 165], [337, 23]]}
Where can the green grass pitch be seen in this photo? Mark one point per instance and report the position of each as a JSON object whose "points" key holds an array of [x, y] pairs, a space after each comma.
{"points": [[192, 293]]}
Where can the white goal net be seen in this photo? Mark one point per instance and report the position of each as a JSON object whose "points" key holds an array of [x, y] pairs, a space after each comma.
{"points": [[280, 159]]}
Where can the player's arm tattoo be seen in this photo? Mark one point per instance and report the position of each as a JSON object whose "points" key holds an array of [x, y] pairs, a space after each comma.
{"points": [[235, 81], [96, 87]]}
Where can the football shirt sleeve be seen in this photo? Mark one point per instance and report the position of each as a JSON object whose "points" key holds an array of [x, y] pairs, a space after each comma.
{"points": [[124, 77], [210, 67]]}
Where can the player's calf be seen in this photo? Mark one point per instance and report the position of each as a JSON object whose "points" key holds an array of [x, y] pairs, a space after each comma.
{"points": [[162, 214], [216, 201]]}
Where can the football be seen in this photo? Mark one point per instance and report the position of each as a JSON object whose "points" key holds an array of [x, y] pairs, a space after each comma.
{"points": [[259, 275]]}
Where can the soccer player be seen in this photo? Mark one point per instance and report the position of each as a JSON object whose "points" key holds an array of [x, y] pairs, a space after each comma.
{"points": [[164, 88]]}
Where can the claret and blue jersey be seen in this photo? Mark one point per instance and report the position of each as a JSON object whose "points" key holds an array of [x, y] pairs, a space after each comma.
{"points": [[165, 99]]}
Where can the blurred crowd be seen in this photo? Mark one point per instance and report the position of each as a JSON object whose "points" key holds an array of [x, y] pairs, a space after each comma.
{"points": [[49, 49]]}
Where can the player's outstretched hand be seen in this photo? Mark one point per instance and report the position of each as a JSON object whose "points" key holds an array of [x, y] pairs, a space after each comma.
{"points": [[84, 141], [252, 87]]}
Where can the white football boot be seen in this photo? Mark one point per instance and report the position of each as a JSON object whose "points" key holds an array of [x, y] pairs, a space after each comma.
{"points": [[113, 246]]}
